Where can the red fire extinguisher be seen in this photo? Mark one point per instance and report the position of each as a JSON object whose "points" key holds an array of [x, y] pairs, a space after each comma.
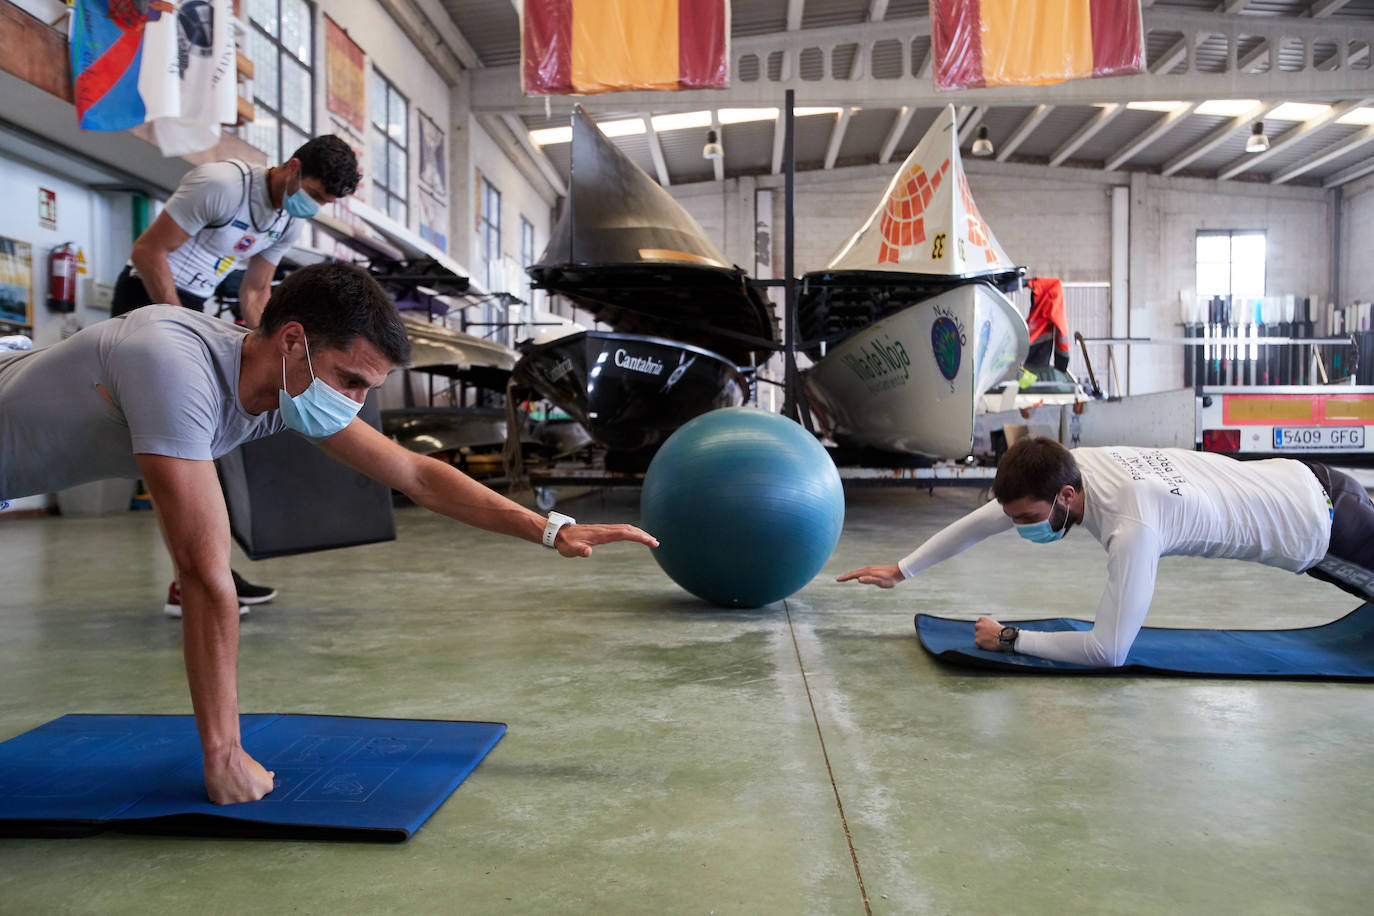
{"points": [[62, 278]]}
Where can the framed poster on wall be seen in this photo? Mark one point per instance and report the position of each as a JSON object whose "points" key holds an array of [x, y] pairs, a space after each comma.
{"points": [[16, 281], [432, 166], [345, 92]]}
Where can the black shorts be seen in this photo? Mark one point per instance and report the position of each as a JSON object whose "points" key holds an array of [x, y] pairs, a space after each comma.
{"points": [[1349, 560], [130, 293]]}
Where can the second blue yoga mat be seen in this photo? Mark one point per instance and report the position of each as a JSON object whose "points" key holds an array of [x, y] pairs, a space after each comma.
{"points": [[1342, 650]]}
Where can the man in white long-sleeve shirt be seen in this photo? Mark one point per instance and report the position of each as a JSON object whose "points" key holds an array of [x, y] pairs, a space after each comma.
{"points": [[1142, 504]]}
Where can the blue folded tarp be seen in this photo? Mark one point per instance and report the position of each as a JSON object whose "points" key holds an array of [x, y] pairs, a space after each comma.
{"points": [[1342, 650], [337, 777]]}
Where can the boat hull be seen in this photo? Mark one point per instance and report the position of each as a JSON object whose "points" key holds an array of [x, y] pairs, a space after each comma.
{"points": [[910, 382], [630, 391]]}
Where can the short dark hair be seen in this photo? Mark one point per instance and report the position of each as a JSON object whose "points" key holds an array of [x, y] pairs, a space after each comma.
{"points": [[331, 161], [337, 303], [1037, 467]]}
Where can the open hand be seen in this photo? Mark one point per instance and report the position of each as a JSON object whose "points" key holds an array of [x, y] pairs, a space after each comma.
{"points": [[578, 540], [985, 634], [881, 576], [235, 777]]}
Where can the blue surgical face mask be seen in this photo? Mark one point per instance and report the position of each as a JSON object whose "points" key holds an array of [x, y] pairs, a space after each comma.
{"points": [[301, 205], [319, 411], [1042, 532]]}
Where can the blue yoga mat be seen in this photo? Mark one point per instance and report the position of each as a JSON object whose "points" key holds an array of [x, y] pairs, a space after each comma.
{"points": [[1342, 650], [337, 777]]}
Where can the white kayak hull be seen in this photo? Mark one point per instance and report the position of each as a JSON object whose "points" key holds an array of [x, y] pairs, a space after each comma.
{"points": [[910, 382]]}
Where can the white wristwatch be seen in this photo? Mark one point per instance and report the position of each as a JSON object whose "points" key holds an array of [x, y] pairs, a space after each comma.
{"points": [[556, 520]]}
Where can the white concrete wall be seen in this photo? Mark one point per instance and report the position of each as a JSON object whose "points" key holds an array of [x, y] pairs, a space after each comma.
{"points": [[1357, 242], [1057, 222], [389, 51]]}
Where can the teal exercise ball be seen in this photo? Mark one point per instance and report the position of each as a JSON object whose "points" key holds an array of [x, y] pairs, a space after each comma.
{"points": [[746, 505]]}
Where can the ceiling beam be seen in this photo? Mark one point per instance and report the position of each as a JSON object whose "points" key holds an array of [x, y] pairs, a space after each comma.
{"points": [[1334, 151], [1153, 133], [969, 124], [1323, 8], [1345, 176], [1232, 7], [1293, 135], [498, 88], [1319, 10], [795, 8], [656, 151], [894, 135], [1024, 130], [1218, 137], [837, 136], [1087, 132], [779, 139]]}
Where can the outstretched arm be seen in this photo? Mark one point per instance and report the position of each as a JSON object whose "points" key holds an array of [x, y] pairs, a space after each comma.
{"points": [[981, 523], [190, 509], [446, 490]]}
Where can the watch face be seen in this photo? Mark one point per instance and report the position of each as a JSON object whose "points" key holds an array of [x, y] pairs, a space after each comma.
{"points": [[1008, 634]]}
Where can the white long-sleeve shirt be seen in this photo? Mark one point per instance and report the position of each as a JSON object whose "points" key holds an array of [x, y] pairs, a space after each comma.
{"points": [[1142, 504]]}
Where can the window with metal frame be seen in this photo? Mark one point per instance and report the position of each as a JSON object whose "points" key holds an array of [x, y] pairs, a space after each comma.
{"points": [[1230, 262], [527, 257], [390, 117], [490, 230], [280, 41]]}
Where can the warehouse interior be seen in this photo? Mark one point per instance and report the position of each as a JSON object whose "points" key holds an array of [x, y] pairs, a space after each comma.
{"points": [[663, 751]]}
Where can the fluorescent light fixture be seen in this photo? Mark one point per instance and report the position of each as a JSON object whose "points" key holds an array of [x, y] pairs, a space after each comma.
{"points": [[681, 120], [622, 128], [1358, 116], [805, 112], [548, 136], [1227, 108], [1297, 111], [742, 115], [1154, 106]]}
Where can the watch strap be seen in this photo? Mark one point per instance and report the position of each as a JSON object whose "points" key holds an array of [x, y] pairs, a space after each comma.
{"points": [[556, 521]]}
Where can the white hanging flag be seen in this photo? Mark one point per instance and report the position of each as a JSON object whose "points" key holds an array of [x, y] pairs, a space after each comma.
{"points": [[188, 80]]}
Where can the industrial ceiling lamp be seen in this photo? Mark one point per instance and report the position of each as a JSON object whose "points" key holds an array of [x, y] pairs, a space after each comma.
{"points": [[1257, 141], [982, 146], [712, 149]]}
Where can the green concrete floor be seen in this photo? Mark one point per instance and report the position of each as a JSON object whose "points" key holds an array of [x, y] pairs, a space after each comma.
{"points": [[665, 757]]}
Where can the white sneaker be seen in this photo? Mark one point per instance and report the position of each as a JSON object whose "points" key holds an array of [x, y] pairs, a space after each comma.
{"points": [[173, 606]]}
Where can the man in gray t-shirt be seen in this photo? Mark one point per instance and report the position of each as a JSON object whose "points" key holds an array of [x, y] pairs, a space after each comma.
{"points": [[225, 215], [160, 393]]}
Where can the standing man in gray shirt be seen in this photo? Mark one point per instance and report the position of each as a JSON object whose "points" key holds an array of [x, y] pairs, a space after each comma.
{"points": [[223, 216], [162, 392], [229, 216]]}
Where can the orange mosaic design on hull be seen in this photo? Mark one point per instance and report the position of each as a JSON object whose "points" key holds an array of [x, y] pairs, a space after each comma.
{"points": [[978, 234], [902, 224]]}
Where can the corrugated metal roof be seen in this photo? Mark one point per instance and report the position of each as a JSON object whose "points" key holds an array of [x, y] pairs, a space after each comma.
{"points": [[490, 26], [864, 137], [757, 17], [1179, 138], [817, 14]]}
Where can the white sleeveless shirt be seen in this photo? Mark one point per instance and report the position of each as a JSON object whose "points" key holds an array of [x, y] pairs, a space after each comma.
{"points": [[225, 208]]}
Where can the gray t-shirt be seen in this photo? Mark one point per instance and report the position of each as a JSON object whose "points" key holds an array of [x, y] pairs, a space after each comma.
{"points": [[225, 208], [173, 375]]}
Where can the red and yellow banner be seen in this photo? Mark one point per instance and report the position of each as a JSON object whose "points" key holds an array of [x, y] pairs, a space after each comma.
{"points": [[979, 43], [590, 46]]}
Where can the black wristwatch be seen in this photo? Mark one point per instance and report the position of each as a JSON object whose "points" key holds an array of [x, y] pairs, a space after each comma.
{"points": [[1006, 640]]}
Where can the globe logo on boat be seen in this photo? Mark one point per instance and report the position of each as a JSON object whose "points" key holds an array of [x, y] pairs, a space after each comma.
{"points": [[946, 345]]}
